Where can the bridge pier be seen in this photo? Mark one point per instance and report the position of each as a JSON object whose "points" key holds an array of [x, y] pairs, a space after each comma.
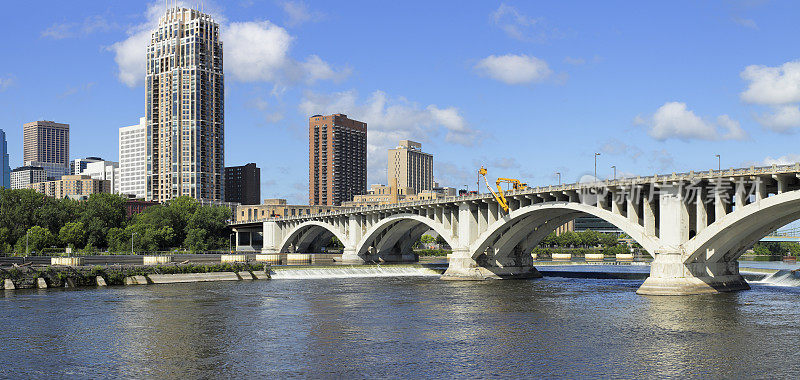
{"points": [[349, 256], [463, 267], [670, 275]]}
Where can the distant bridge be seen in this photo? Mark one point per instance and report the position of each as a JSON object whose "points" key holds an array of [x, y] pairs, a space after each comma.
{"points": [[694, 224]]}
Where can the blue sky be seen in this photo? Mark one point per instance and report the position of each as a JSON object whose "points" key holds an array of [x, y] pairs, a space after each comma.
{"points": [[524, 88]]}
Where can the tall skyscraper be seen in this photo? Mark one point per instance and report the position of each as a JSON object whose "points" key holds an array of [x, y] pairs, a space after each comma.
{"points": [[46, 144], [243, 184], [410, 166], [185, 108], [5, 169], [337, 159], [132, 160]]}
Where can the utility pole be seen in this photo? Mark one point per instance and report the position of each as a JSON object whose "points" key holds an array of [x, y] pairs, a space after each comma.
{"points": [[132, 235], [27, 251]]}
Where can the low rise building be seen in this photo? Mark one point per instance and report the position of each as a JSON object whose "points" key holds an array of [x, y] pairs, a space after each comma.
{"points": [[137, 206], [23, 176], [72, 186], [277, 208], [107, 170], [393, 194]]}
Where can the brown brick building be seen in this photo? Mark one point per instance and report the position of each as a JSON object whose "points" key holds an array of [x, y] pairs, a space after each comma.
{"points": [[337, 159]]}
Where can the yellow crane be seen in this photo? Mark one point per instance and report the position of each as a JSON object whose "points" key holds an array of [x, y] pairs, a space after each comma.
{"points": [[499, 196]]}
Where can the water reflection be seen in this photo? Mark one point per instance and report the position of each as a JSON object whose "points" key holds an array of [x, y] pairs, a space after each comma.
{"points": [[397, 327]]}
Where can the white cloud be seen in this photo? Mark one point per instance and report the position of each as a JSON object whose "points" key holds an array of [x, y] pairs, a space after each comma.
{"points": [[131, 59], [514, 69], [788, 159], [6, 82], [772, 85], [255, 51], [89, 25], [674, 120], [298, 13], [504, 163], [617, 147], [574, 61], [520, 26], [390, 120], [317, 69], [782, 119], [745, 22]]}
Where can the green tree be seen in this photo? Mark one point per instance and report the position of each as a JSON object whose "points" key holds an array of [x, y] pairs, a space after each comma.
{"points": [[6, 240], [568, 239], [196, 240], [789, 248], [118, 240], [73, 235], [101, 212], [549, 240], [39, 238], [441, 241], [608, 240], [589, 238]]}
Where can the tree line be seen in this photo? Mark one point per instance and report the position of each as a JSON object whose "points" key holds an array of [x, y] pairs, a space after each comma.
{"points": [[583, 239], [100, 223]]}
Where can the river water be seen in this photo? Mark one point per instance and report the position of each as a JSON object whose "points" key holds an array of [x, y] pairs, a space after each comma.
{"points": [[390, 327]]}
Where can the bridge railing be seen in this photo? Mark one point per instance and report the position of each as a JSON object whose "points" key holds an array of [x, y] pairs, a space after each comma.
{"points": [[578, 186]]}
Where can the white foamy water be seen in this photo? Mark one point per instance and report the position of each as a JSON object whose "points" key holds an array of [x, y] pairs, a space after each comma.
{"points": [[781, 278], [350, 272]]}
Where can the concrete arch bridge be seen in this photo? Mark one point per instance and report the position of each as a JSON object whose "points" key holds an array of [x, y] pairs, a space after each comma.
{"points": [[695, 225]]}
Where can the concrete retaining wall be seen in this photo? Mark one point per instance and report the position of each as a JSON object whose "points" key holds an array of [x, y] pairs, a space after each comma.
{"points": [[625, 257], [70, 261], [233, 258], [298, 257], [562, 256], [269, 258], [192, 277], [594, 257], [155, 260]]}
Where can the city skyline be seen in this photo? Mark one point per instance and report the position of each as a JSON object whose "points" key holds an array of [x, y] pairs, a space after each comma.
{"points": [[599, 81]]}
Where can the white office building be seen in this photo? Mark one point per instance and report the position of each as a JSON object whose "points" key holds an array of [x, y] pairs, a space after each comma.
{"points": [[104, 170], [132, 160]]}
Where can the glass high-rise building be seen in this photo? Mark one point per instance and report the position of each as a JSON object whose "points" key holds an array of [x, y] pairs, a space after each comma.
{"points": [[5, 168], [185, 108]]}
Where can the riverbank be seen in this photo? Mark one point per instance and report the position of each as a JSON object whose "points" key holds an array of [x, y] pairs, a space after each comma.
{"points": [[50, 276]]}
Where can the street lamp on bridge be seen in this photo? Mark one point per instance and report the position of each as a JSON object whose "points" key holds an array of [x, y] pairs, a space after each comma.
{"points": [[559, 178], [719, 163], [595, 166], [615, 171]]}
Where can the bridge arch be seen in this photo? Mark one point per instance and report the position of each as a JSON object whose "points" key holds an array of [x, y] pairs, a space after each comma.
{"points": [[308, 233], [530, 224], [400, 231], [729, 237]]}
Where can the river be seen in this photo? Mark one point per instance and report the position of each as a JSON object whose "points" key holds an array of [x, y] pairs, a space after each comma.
{"points": [[390, 327]]}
